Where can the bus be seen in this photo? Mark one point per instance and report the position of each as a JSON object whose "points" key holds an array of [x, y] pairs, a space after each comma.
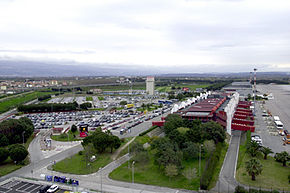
{"points": [[279, 125]]}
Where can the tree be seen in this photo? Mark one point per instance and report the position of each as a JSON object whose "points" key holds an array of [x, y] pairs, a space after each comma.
{"points": [[171, 170], [74, 128], [3, 140], [137, 148], [253, 148], [123, 102], [254, 168], [4, 153], [282, 157], [114, 142], [142, 157], [191, 150], [18, 153], [214, 131], [100, 141], [266, 151], [173, 121]]}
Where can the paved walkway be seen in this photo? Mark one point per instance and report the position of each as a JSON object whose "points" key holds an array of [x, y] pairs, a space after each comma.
{"points": [[117, 153], [227, 181]]}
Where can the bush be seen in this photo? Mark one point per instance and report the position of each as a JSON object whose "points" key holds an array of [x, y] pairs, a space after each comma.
{"points": [[240, 189], [81, 152], [210, 167], [147, 131], [18, 153], [42, 98], [73, 128], [4, 153]]}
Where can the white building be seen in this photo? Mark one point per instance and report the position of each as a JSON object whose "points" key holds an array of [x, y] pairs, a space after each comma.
{"points": [[150, 85]]}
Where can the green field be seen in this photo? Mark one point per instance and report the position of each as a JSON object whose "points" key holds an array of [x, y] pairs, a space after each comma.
{"points": [[151, 174], [89, 98], [19, 100], [77, 164], [273, 176], [70, 137], [191, 86]]}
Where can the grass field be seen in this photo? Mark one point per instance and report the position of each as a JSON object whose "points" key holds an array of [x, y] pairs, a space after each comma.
{"points": [[70, 137], [19, 100], [77, 164], [89, 98], [191, 86], [151, 174], [273, 176]]}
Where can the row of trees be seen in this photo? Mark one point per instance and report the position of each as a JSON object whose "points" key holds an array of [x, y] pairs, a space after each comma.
{"points": [[45, 107], [15, 131], [44, 97]]}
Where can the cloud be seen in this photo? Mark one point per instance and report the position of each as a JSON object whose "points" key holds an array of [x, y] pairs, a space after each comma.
{"points": [[219, 34]]}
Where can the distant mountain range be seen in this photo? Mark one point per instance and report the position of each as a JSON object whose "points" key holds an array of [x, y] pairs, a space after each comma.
{"points": [[13, 68], [45, 69]]}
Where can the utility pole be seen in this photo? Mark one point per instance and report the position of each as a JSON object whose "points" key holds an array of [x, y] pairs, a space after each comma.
{"points": [[199, 165], [133, 163]]}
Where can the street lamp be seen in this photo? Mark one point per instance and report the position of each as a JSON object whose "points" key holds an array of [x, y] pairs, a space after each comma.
{"points": [[23, 137], [101, 179], [129, 156], [199, 164], [133, 163]]}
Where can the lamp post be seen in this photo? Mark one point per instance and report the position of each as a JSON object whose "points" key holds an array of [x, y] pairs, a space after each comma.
{"points": [[23, 137], [101, 179], [129, 156], [133, 163], [199, 165]]}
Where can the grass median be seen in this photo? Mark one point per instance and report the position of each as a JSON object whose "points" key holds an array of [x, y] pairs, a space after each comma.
{"points": [[273, 176]]}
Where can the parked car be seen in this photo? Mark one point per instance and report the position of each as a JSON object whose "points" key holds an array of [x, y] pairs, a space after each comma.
{"points": [[53, 188]]}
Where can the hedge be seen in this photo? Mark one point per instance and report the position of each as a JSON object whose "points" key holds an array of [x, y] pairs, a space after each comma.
{"points": [[147, 131], [210, 167]]}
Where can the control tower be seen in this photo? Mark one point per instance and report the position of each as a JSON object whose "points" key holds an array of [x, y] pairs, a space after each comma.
{"points": [[150, 85]]}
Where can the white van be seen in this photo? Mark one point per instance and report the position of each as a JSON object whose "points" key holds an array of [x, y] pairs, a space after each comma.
{"points": [[276, 118], [279, 125]]}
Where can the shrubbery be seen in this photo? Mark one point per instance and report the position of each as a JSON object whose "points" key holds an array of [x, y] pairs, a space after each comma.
{"points": [[210, 167], [147, 131], [11, 131], [42, 98]]}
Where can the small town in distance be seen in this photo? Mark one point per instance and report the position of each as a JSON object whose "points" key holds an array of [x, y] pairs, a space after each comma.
{"points": [[159, 134]]}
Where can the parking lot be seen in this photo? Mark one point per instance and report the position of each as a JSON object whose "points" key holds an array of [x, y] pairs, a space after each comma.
{"points": [[265, 126], [17, 186]]}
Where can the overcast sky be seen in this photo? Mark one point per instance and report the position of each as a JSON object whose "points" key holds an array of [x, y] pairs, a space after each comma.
{"points": [[203, 35]]}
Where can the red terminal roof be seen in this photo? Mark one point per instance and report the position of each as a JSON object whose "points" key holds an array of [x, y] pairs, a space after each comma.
{"points": [[208, 105]]}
